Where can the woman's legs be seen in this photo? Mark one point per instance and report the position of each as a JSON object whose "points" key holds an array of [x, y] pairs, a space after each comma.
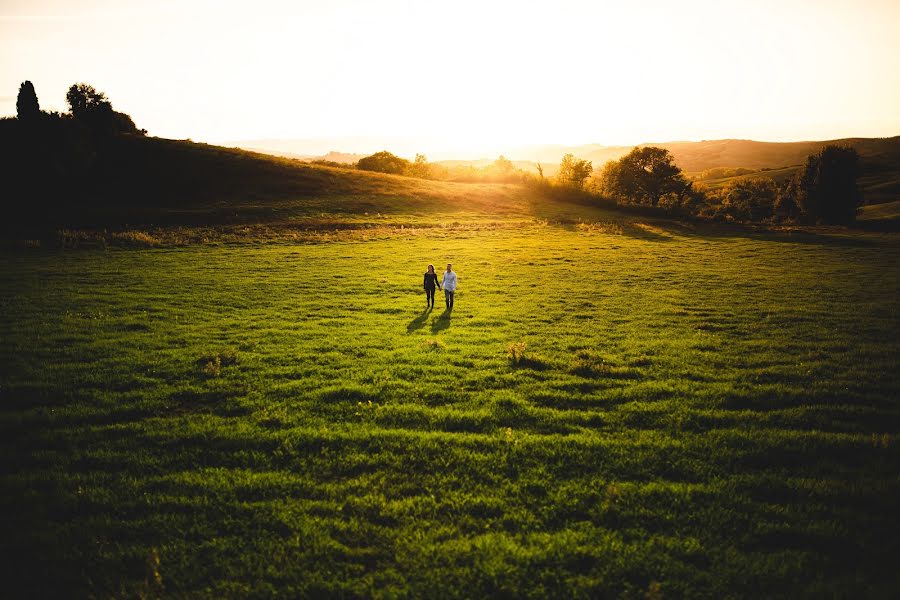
{"points": [[429, 296]]}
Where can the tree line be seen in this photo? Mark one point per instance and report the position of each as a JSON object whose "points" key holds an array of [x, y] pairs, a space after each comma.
{"points": [[88, 108], [501, 170], [50, 154], [49, 157], [824, 190]]}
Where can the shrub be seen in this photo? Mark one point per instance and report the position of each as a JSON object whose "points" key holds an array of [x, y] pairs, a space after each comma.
{"points": [[384, 162], [213, 363], [433, 345], [516, 353], [746, 199], [573, 172], [590, 365], [213, 367]]}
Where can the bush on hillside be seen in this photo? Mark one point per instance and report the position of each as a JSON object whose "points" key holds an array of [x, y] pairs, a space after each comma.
{"points": [[745, 199], [502, 170], [573, 172], [384, 162]]}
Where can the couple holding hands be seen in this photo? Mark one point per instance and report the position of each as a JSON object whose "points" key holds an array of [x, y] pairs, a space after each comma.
{"points": [[448, 284]]}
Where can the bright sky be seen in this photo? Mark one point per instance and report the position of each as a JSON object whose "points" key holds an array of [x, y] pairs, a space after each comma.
{"points": [[467, 76]]}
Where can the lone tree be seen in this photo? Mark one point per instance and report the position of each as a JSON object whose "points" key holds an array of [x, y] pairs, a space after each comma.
{"points": [[826, 189], [503, 166], [644, 176], [420, 167], [27, 107], [384, 162], [573, 172]]}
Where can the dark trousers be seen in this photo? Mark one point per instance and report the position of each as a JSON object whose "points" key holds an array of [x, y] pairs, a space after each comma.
{"points": [[429, 296], [448, 296]]}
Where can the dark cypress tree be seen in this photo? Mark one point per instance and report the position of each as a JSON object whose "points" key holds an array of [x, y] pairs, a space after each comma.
{"points": [[828, 192], [27, 107]]}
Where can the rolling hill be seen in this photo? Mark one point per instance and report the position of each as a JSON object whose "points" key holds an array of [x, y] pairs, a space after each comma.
{"points": [[142, 181], [880, 158]]}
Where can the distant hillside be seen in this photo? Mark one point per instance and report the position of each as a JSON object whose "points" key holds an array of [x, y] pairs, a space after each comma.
{"points": [[709, 154], [341, 157], [485, 162], [344, 158], [698, 156], [880, 159]]}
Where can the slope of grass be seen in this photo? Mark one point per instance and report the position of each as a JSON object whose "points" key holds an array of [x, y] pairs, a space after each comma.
{"points": [[612, 410], [878, 185], [698, 156], [139, 181], [778, 175], [888, 211]]}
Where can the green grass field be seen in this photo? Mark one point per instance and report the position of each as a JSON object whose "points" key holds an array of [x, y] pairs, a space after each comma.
{"points": [[614, 409]]}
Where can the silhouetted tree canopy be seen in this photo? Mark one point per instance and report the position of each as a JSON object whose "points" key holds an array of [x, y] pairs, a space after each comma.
{"points": [[91, 107], [54, 162], [826, 189], [27, 107], [384, 162], [85, 101], [573, 172], [643, 176]]}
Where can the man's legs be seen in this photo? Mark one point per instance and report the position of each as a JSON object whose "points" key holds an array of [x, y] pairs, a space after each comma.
{"points": [[448, 296]]}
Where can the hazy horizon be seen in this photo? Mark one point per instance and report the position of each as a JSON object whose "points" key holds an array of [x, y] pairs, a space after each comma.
{"points": [[471, 79], [316, 147]]}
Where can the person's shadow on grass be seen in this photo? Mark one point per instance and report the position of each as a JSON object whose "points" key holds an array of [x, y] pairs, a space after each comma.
{"points": [[419, 321], [442, 322]]}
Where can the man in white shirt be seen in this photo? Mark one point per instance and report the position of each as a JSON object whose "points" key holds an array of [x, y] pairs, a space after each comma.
{"points": [[449, 285]]}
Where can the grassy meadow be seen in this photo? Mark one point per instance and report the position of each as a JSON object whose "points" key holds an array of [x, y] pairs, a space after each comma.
{"points": [[616, 407]]}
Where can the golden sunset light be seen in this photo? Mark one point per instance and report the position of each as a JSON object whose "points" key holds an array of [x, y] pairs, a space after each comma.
{"points": [[470, 78], [659, 247]]}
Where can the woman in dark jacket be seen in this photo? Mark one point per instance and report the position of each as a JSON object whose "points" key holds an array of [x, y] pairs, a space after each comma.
{"points": [[431, 281]]}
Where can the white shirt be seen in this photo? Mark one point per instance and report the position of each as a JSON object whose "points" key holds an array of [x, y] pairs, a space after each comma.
{"points": [[449, 281]]}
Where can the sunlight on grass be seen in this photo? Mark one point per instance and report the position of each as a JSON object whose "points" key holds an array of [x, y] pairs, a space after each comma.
{"points": [[607, 408]]}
